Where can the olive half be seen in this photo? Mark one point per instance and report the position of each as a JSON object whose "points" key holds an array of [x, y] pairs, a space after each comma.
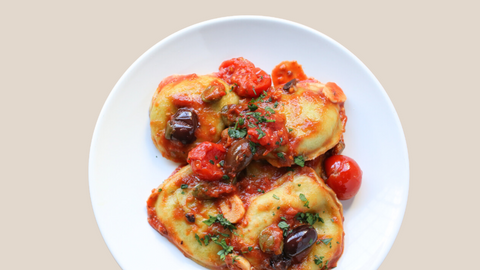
{"points": [[239, 155], [182, 126], [299, 242]]}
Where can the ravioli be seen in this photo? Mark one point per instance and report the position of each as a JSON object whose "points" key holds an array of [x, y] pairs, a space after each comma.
{"points": [[315, 118], [167, 207], [185, 91], [169, 204]]}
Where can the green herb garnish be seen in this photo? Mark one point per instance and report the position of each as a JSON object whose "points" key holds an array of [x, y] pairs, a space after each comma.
{"points": [[299, 160], [237, 133], [304, 199]]}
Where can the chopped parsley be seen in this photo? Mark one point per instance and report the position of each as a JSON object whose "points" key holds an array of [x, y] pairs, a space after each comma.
{"points": [[198, 239], [326, 241], [184, 186], [220, 219], [270, 110], [241, 121], [304, 199], [261, 134], [253, 147], [281, 155], [284, 226], [276, 197], [206, 240], [275, 105], [211, 161], [308, 218], [290, 129], [225, 177], [252, 107], [261, 190], [221, 162], [160, 190], [299, 160], [237, 133], [318, 260], [226, 249]]}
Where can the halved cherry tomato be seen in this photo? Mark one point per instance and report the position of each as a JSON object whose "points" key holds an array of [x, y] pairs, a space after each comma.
{"points": [[344, 176], [250, 81], [204, 161]]}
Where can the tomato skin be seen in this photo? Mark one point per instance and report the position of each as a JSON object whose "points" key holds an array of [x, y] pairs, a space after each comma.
{"points": [[251, 81], [201, 158], [344, 176]]}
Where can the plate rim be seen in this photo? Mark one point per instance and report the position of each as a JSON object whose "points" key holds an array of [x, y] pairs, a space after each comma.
{"points": [[101, 118]]}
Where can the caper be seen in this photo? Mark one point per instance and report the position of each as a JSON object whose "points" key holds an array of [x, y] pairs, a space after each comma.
{"points": [[200, 192], [270, 240], [213, 92], [228, 119]]}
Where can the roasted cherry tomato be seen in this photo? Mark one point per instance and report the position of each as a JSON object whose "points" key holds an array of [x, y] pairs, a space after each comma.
{"points": [[205, 161], [344, 176], [249, 81]]}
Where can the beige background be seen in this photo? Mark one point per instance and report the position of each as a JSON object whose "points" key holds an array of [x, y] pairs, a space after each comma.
{"points": [[59, 61]]}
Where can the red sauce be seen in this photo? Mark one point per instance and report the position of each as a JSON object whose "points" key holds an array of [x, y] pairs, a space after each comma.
{"points": [[152, 214], [248, 80], [287, 71], [255, 185]]}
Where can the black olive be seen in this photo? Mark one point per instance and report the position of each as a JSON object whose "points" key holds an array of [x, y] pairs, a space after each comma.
{"points": [[280, 262], [190, 217], [239, 155], [182, 126], [289, 84], [299, 242]]}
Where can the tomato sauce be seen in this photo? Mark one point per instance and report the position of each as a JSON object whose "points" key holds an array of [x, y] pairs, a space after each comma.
{"points": [[252, 186], [152, 214]]}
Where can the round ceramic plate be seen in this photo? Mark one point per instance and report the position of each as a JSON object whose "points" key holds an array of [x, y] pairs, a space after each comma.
{"points": [[125, 166]]}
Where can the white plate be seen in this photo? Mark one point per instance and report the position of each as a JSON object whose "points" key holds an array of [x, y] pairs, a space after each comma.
{"points": [[125, 166]]}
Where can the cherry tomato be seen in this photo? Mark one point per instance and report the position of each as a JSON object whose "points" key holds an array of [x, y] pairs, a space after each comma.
{"points": [[250, 81], [205, 161], [344, 176]]}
